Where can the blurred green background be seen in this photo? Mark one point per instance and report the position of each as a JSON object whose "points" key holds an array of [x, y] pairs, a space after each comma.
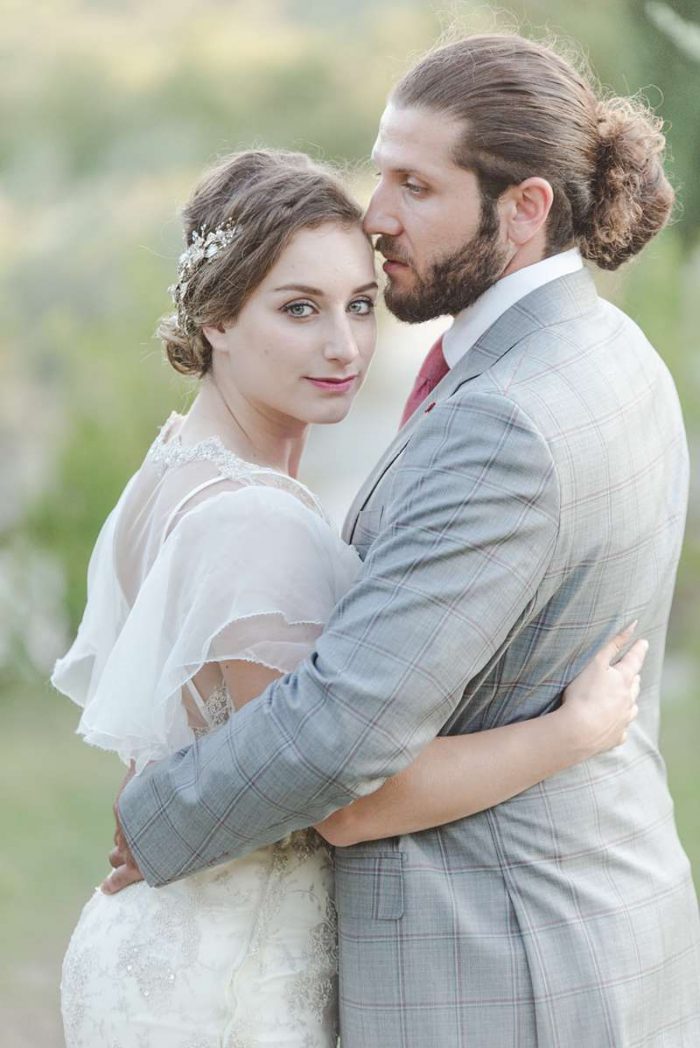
{"points": [[111, 109]]}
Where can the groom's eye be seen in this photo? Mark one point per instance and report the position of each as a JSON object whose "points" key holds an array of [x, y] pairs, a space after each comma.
{"points": [[414, 188]]}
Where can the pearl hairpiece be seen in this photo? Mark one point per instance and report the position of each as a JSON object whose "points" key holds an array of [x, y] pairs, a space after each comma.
{"points": [[202, 247]]}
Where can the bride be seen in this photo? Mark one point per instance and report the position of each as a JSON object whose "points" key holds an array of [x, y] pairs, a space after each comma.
{"points": [[213, 575]]}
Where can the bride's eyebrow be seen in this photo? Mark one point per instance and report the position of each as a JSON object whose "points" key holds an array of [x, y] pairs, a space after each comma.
{"points": [[306, 290], [303, 288]]}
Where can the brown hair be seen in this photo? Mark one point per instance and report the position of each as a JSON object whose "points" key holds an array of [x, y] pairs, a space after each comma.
{"points": [[269, 196], [528, 112]]}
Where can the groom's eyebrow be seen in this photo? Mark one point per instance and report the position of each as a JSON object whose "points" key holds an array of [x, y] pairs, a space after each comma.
{"points": [[306, 290], [401, 170]]}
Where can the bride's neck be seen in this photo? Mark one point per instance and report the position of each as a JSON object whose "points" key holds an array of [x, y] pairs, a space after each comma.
{"points": [[251, 430]]}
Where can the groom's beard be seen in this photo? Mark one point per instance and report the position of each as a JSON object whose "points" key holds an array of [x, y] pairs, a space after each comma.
{"points": [[452, 283]]}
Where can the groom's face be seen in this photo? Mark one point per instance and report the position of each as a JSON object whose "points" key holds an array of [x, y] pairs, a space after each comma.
{"points": [[443, 246]]}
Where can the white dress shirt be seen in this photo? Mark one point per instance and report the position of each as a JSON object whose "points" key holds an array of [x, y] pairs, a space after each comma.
{"points": [[472, 322]]}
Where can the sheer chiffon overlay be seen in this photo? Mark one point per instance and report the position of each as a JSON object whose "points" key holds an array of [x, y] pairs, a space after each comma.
{"points": [[205, 559]]}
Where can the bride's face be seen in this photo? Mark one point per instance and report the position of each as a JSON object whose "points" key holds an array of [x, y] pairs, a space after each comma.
{"points": [[300, 347]]}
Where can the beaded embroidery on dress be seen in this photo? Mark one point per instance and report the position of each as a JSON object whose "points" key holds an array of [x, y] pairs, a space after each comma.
{"points": [[172, 453], [241, 955]]}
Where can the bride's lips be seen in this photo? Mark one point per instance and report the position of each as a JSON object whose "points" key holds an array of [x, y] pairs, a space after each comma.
{"points": [[333, 385]]}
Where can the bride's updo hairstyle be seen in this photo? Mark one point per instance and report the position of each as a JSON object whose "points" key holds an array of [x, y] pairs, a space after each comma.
{"points": [[237, 223], [528, 112]]}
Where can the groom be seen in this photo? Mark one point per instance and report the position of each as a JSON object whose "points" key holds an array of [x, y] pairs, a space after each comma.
{"points": [[533, 502]]}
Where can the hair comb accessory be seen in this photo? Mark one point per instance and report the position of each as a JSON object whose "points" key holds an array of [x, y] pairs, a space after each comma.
{"points": [[203, 246]]}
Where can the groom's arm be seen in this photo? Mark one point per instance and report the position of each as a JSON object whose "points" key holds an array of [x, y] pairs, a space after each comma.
{"points": [[463, 547]]}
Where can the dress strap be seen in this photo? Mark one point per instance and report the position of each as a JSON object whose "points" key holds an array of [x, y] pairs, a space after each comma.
{"points": [[185, 499], [197, 699]]}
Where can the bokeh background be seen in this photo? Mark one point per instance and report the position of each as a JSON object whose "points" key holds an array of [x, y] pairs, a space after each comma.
{"points": [[110, 111]]}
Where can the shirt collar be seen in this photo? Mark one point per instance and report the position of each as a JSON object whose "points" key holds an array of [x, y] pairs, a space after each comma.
{"points": [[469, 325]]}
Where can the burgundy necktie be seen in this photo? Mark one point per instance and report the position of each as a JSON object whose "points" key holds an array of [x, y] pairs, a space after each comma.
{"points": [[433, 369]]}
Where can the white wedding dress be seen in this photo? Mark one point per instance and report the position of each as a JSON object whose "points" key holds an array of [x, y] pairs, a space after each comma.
{"points": [[205, 559]]}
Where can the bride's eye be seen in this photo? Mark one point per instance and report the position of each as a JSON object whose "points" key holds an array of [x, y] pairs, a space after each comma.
{"points": [[299, 309], [361, 307]]}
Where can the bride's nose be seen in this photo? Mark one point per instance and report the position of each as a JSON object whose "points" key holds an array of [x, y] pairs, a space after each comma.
{"points": [[340, 343]]}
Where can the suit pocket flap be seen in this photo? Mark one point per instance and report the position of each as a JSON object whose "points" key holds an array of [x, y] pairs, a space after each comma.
{"points": [[369, 887]]}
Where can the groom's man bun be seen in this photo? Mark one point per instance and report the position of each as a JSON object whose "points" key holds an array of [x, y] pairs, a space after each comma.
{"points": [[528, 112], [632, 198]]}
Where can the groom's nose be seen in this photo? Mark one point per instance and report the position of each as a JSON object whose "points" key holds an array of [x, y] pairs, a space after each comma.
{"points": [[380, 216]]}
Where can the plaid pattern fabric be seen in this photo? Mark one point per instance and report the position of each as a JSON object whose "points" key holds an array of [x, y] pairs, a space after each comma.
{"points": [[507, 533]]}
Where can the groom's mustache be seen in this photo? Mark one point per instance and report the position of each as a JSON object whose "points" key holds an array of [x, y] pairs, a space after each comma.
{"points": [[386, 247]]}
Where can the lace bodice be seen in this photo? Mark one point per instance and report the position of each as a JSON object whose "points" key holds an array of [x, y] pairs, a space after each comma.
{"points": [[168, 452]]}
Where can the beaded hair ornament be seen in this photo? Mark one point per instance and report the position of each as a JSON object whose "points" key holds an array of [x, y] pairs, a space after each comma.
{"points": [[202, 247]]}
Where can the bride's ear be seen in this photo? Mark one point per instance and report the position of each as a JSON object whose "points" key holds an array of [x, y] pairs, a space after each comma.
{"points": [[215, 335]]}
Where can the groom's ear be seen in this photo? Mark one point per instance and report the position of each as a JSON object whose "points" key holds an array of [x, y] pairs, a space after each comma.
{"points": [[524, 209]]}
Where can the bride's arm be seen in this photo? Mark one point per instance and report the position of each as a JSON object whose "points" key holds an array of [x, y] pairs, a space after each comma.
{"points": [[456, 776]]}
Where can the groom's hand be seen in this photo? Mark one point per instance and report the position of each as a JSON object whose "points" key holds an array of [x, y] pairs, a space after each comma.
{"points": [[125, 870]]}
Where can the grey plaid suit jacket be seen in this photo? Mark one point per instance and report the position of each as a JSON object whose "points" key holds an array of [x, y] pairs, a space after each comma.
{"points": [[507, 532]]}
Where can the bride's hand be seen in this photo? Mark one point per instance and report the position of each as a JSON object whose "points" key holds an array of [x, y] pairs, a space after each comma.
{"points": [[601, 702]]}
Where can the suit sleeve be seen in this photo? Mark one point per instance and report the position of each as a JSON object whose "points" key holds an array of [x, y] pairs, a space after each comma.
{"points": [[465, 541]]}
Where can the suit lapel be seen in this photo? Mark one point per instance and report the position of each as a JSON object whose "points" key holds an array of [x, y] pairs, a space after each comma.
{"points": [[559, 300]]}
